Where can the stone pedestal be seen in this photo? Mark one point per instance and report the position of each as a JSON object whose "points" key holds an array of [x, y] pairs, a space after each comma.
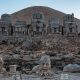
{"points": [[13, 69]]}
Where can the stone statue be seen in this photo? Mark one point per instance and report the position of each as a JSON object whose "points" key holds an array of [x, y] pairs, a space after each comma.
{"points": [[44, 66]]}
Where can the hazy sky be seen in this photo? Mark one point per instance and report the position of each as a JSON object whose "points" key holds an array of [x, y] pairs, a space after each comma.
{"points": [[66, 6]]}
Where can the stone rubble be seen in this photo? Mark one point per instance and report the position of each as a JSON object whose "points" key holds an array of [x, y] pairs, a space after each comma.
{"points": [[28, 54]]}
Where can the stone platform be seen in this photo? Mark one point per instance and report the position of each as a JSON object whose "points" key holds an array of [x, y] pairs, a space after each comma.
{"points": [[60, 76]]}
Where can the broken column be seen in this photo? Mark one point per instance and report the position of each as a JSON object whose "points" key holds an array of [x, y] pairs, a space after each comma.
{"points": [[3, 71], [1, 64], [13, 69]]}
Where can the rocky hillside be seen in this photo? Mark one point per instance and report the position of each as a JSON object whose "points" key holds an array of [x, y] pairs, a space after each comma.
{"points": [[49, 43]]}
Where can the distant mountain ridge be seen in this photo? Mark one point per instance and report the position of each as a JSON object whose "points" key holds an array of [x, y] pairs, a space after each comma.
{"points": [[25, 14]]}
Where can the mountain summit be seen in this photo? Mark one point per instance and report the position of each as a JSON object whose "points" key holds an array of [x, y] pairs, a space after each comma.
{"points": [[26, 14]]}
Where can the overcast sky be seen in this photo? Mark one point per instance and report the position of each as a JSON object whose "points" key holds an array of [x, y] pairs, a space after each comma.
{"points": [[66, 6]]}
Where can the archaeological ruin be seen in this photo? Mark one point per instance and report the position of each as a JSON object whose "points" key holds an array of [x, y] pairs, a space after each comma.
{"points": [[39, 40]]}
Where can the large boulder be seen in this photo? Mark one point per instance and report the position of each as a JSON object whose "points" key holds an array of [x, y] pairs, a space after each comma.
{"points": [[72, 68]]}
